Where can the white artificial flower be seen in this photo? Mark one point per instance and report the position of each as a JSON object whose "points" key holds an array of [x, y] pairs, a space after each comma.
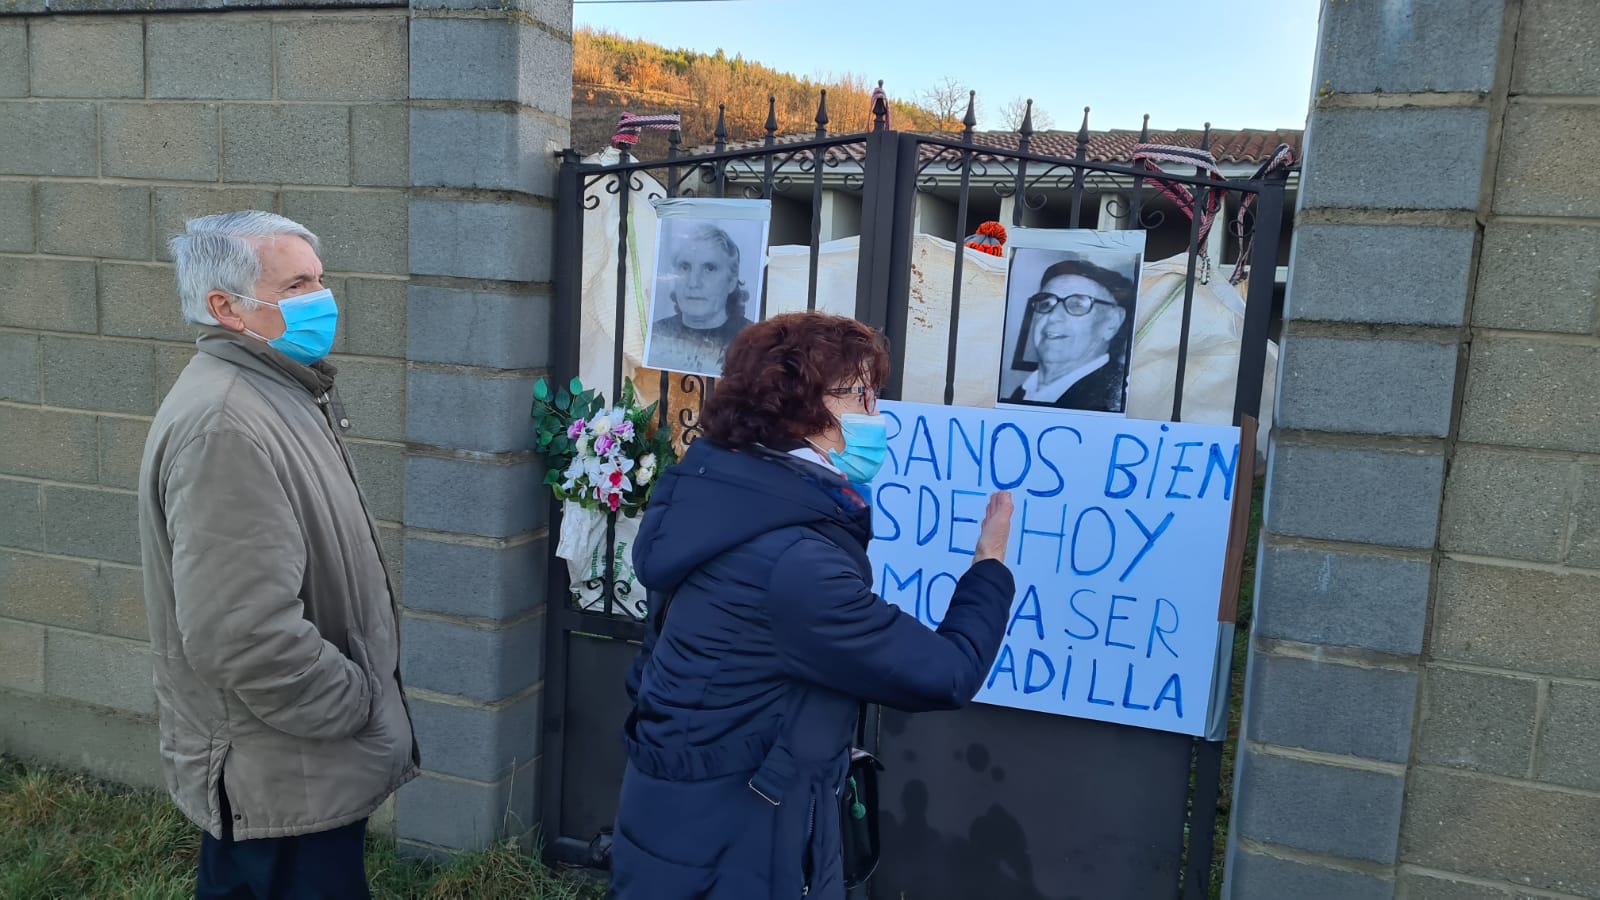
{"points": [[648, 461], [644, 475], [601, 424]]}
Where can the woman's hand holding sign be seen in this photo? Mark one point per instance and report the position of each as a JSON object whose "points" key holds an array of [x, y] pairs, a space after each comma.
{"points": [[995, 532]]}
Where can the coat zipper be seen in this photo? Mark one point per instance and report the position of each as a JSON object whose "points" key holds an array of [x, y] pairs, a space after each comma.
{"points": [[811, 827]]}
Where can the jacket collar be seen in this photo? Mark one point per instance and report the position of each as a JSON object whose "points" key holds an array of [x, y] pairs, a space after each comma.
{"points": [[249, 353]]}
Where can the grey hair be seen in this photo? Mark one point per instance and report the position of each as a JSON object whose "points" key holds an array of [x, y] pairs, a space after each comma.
{"points": [[217, 253]]}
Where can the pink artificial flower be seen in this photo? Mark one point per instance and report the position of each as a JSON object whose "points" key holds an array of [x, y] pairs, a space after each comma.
{"points": [[604, 444], [624, 431], [614, 501], [616, 479], [575, 429]]}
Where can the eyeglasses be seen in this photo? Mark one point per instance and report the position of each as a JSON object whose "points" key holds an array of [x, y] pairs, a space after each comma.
{"points": [[869, 396], [1075, 304]]}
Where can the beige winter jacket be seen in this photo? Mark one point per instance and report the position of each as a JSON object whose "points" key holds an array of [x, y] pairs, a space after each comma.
{"points": [[272, 624]]}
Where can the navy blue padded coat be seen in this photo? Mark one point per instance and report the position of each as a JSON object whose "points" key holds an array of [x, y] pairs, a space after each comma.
{"points": [[746, 701]]}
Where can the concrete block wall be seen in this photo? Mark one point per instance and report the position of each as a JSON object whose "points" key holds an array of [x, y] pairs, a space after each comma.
{"points": [[1423, 698], [348, 116]]}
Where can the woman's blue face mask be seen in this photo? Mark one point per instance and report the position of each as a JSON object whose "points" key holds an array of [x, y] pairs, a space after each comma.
{"points": [[866, 445]]}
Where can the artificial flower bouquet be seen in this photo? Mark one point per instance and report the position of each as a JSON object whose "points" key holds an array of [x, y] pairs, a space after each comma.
{"points": [[600, 461]]}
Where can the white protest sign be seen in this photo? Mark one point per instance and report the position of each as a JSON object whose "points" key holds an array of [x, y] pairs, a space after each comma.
{"points": [[1118, 545]]}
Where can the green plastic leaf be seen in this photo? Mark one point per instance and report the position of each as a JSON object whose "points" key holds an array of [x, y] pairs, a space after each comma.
{"points": [[541, 391], [563, 400], [576, 386]]}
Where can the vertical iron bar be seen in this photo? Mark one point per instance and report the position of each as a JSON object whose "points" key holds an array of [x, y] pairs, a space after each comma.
{"points": [[1202, 818], [897, 302], [969, 122], [819, 157], [624, 184], [877, 228], [1019, 193], [721, 136], [1263, 276], [674, 141], [565, 333], [1136, 195], [1200, 202], [1081, 156], [766, 183]]}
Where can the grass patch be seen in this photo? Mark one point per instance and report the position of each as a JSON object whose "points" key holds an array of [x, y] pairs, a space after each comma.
{"points": [[66, 836]]}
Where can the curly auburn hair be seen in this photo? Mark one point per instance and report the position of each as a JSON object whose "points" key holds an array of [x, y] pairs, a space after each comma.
{"points": [[776, 374]]}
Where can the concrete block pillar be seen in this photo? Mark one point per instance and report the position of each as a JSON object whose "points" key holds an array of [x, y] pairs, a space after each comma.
{"points": [[1398, 144], [490, 104]]}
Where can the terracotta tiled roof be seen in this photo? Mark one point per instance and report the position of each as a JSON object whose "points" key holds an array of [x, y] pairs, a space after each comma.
{"points": [[1229, 147]]}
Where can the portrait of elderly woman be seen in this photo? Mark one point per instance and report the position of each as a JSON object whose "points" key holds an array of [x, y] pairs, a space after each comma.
{"points": [[704, 290], [1073, 329]]}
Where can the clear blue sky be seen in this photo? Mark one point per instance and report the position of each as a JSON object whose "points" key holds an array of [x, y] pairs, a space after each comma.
{"points": [[1234, 63]]}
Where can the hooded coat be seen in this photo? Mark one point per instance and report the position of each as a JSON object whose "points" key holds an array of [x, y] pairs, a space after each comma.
{"points": [[746, 699]]}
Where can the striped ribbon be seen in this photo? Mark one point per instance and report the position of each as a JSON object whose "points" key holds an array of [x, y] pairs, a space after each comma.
{"points": [[1281, 158], [629, 126], [1150, 156]]}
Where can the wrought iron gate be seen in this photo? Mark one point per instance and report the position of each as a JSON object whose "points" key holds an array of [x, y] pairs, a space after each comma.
{"points": [[1029, 805]]}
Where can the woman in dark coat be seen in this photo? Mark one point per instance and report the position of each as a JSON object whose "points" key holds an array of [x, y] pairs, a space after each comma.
{"points": [[747, 697]]}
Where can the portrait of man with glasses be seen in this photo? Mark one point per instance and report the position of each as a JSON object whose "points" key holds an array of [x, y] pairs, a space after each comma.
{"points": [[1072, 329]]}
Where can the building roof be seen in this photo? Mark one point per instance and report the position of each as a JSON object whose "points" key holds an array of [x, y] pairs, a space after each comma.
{"points": [[1247, 146]]}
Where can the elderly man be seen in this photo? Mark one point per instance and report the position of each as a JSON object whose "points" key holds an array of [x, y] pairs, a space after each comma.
{"points": [[1079, 325], [272, 623]]}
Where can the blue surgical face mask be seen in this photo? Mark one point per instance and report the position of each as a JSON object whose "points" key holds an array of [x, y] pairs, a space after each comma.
{"points": [[310, 322], [866, 444]]}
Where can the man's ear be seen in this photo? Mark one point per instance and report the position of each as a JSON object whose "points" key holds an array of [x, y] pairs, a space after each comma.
{"points": [[1115, 322], [220, 303]]}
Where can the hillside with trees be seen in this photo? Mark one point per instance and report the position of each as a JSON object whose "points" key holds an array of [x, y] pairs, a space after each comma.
{"points": [[612, 74]]}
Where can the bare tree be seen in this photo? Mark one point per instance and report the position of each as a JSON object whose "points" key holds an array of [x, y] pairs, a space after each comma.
{"points": [[1011, 115], [947, 101]]}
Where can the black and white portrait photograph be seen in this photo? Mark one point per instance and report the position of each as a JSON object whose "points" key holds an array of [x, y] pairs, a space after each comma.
{"points": [[1071, 295], [710, 259]]}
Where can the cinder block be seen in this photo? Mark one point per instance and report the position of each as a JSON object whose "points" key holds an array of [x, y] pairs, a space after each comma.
{"points": [[48, 590], [513, 150], [1473, 720], [19, 367], [1541, 171], [372, 317], [1343, 599], [170, 363], [1584, 545], [468, 496], [490, 240], [1552, 633], [46, 443], [381, 471], [22, 526], [1365, 158], [1366, 386], [1331, 708], [1504, 504], [13, 59], [483, 664], [374, 394], [1571, 733], [469, 580], [1537, 277], [236, 63], [343, 59], [1433, 886], [98, 670], [121, 450], [119, 602], [378, 154], [475, 742], [175, 206], [77, 58], [471, 412], [1404, 275], [491, 59], [1555, 41], [92, 523], [16, 216], [85, 219], [478, 328], [1257, 876], [1345, 494], [286, 143], [21, 657], [466, 815], [556, 14], [1421, 47], [1353, 813], [110, 376], [114, 746], [140, 300], [165, 141], [1458, 822], [54, 138], [361, 231], [1538, 394]]}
